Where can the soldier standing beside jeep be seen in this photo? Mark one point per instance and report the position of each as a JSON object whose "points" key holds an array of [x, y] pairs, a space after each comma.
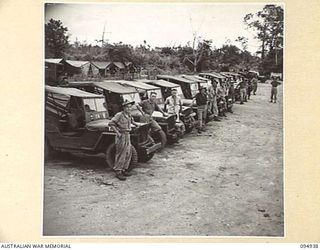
{"points": [[242, 86], [174, 105], [212, 96], [148, 107], [201, 101], [121, 124]]}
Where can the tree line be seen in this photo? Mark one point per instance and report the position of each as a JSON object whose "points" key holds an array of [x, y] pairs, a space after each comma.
{"points": [[195, 56]]}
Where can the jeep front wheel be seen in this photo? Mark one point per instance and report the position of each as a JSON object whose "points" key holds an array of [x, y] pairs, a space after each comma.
{"points": [[111, 154]]}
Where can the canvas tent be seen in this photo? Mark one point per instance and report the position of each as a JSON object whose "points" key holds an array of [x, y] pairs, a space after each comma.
{"points": [[81, 68]]}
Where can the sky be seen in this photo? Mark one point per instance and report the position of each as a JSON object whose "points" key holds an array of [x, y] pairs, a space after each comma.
{"points": [[160, 24]]}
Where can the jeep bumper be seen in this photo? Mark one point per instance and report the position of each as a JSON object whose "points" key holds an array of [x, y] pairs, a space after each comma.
{"points": [[172, 135], [152, 148]]}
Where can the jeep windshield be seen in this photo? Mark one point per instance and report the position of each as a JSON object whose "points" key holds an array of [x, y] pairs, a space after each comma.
{"points": [[180, 93], [194, 89], [95, 109], [132, 97]]}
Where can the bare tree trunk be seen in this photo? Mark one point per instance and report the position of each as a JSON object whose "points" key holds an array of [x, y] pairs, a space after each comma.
{"points": [[263, 49]]}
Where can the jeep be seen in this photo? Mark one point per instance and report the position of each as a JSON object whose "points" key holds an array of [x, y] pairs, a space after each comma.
{"points": [[77, 121]]}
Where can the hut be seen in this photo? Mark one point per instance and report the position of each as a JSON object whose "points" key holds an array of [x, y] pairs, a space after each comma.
{"points": [[103, 67], [54, 68]]}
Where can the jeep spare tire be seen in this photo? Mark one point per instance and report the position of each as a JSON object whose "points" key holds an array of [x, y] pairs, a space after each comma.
{"points": [[111, 154]]}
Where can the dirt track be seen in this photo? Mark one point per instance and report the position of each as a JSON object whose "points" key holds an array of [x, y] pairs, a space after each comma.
{"points": [[227, 181]]}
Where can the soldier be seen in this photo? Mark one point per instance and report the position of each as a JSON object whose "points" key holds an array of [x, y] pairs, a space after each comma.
{"points": [[254, 85], [121, 124], [231, 91], [147, 107], [250, 88], [221, 97], [246, 90], [274, 83], [174, 105], [212, 96], [201, 101], [242, 85]]}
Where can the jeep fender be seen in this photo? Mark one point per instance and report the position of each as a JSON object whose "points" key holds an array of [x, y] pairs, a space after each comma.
{"points": [[104, 141]]}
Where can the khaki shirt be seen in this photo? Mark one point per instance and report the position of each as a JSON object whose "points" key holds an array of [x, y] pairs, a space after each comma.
{"points": [[149, 107], [122, 122], [173, 104], [212, 94]]}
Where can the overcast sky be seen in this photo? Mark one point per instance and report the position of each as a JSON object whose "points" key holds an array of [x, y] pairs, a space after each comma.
{"points": [[160, 24]]}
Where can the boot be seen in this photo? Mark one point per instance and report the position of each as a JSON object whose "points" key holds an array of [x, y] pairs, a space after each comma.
{"points": [[120, 176], [126, 173]]}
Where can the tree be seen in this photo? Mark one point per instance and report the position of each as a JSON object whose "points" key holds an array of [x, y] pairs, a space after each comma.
{"points": [[268, 23], [56, 39], [243, 41], [194, 54]]}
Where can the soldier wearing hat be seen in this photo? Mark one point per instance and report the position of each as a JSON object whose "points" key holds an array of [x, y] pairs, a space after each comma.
{"points": [[121, 124]]}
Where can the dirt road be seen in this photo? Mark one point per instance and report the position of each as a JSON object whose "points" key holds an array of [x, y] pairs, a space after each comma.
{"points": [[228, 181]]}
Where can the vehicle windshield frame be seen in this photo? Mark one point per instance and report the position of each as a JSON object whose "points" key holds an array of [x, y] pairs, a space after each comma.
{"points": [[95, 102], [136, 99], [180, 92]]}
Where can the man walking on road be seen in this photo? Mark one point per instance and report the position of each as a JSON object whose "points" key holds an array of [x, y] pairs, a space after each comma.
{"points": [[201, 101], [121, 124], [274, 91]]}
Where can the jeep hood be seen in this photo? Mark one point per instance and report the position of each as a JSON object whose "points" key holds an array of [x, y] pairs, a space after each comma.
{"points": [[100, 125], [187, 102], [103, 125]]}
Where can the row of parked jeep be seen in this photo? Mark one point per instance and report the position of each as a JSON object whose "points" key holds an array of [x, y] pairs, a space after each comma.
{"points": [[77, 114]]}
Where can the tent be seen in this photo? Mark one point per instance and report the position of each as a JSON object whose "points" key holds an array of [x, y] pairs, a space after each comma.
{"points": [[103, 67]]}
